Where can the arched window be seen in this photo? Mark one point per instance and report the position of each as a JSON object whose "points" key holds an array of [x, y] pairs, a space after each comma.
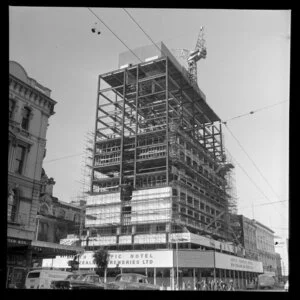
{"points": [[26, 118]]}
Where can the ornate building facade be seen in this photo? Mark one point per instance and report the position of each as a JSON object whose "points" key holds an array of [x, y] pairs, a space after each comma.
{"points": [[30, 107]]}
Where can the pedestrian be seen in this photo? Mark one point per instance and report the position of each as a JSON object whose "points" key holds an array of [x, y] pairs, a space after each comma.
{"points": [[198, 285], [204, 286], [216, 285], [189, 286], [183, 285], [231, 286]]}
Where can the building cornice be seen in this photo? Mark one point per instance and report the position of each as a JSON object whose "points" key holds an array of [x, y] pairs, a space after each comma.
{"points": [[30, 93]]}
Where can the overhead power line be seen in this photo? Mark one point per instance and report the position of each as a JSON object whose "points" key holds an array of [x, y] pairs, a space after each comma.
{"points": [[266, 203], [132, 18], [254, 111], [114, 34], [254, 164], [164, 54], [224, 122], [63, 157]]}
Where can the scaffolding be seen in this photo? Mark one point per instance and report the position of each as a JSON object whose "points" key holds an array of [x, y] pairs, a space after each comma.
{"points": [[154, 131]]}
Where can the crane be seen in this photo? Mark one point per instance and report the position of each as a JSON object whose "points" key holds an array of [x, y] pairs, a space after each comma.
{"points": [[192, 57]]}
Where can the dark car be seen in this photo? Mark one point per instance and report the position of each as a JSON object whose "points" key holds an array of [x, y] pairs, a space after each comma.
{"points": [[81, 281], [131, 281]]}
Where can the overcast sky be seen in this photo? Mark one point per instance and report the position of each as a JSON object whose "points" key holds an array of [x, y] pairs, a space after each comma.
{"points": [[247, 68]]}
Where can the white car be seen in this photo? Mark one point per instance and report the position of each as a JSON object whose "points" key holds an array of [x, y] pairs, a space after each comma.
{"points": [[42, 278], [286, 286]]}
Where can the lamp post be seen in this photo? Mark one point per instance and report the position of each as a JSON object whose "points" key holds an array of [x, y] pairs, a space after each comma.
{"points": [[177, 269]]}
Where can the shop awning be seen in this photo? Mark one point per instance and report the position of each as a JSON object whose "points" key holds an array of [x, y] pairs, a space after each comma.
{"points": [[47, 249]]}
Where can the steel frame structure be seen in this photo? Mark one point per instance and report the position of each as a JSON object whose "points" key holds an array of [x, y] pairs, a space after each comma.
{"points": [[152, 129]]}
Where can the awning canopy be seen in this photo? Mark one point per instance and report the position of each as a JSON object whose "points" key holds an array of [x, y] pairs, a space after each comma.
{"points": [[49, 250]]}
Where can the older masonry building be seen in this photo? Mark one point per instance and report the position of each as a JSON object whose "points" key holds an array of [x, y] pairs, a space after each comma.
{"points": [[266, 247], [30, 107], [33, 232]]}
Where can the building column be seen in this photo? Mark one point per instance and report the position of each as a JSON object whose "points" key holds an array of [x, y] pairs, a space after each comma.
{"points": [[105, 275], [172, 278], [194, 278], [199, 274]]}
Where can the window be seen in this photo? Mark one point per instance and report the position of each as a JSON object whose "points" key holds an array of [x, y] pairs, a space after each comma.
{"points": [[183, 210], [26, 117], [201, 205], [182, 196], [190, 212], [34, 275], [12, 105], [19, 159], [12, 205]]}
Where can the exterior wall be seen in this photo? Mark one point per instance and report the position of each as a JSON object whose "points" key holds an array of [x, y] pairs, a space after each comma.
{"points": [[24, 187], [249, 236], [266, 247]]}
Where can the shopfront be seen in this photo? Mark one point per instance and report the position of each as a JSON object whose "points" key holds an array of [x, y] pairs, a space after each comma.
{"points": [[18, 258]]}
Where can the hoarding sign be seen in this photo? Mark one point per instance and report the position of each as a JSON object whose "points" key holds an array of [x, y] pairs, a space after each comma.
{"points": [[141, 259], [125, 259], [229, 262]]}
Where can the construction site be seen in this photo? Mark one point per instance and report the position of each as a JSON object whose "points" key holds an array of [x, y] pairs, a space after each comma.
{"points": [[162, 196], [159, 165]]}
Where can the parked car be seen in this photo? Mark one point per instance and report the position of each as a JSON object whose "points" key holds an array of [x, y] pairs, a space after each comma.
{"points": [[42, 278], [79, 281], [131, 281]]}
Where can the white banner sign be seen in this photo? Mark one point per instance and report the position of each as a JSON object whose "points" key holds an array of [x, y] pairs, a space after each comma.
{"points": [[125, 259], [229, 262], [141, 259]]}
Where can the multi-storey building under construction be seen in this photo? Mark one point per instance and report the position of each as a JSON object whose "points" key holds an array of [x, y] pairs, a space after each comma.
{"points": [[160, 195], [159, 165]]}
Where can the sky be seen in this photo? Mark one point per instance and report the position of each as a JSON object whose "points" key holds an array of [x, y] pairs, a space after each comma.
{"points": [[247, 68]]}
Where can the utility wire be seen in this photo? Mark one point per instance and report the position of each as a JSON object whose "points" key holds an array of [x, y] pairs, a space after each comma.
{"points": [[254, 111], [131, 17], [114, 34], [254, 164], [266, 203], [63, 157], [222, 122]]}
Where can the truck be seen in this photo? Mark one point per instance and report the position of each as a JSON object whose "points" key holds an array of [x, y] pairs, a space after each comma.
{"points": [[266, 281]]}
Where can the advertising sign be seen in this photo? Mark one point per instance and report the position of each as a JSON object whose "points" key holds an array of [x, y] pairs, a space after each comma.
{"points": [[17, 241], [125, 259], [229, 262]]}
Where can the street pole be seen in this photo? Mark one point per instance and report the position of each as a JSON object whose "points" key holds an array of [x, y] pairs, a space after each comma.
{"points": [[177, 285]]}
